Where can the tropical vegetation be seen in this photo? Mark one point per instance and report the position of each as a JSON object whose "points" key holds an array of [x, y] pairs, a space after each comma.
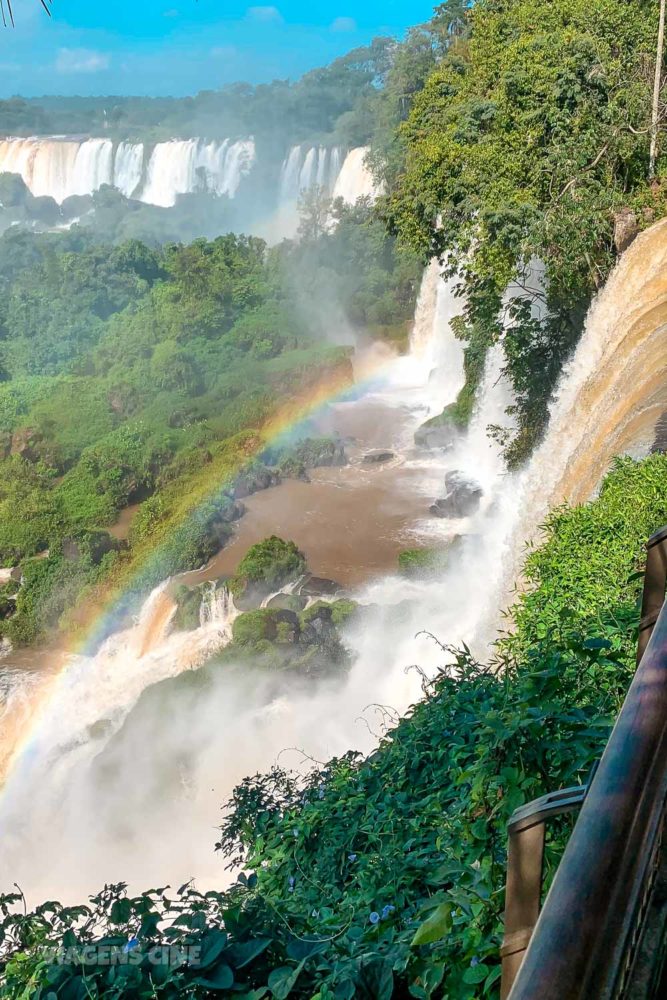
{"points": [[383, 876]]}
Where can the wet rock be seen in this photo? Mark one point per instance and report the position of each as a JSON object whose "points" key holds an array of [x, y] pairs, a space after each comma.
{"points": [[13, 191], [378, 457], [254, 479], [293, 461], [233, 510], [288, 627], [462, 498], [439, 432], [76, 205], [317, 625], [626, 228], [317, 586], [287, 602], [43, 209]]}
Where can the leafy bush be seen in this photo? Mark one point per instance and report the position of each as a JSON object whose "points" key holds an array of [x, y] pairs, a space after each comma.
{"points": [[268, 565], [383, 876]]}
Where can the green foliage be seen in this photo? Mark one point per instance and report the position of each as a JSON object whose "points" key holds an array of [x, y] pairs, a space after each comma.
{"points": [[255, 627], [383, 876], [356, 273], [522, 147], [267, 566], [167, 358], [565, 590], [188, 608]]}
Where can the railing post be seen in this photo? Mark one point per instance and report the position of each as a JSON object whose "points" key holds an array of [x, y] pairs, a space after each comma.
{"points": [[603, 926], [654, 588], [525, 860]]}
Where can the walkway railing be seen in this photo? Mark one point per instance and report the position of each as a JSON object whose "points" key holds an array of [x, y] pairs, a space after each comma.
{"points": [[602, 931]]}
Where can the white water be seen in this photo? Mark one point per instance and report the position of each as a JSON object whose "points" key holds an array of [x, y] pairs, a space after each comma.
{"points": [[128, 168], [307, 167], [355, 180], [140, 802], [60, 167]]}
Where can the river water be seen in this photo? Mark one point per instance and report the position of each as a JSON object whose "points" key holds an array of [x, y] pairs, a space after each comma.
{"points": [[123, 760]]}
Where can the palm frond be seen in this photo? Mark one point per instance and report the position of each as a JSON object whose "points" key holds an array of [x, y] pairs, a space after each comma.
{"points": [[7, 12]]}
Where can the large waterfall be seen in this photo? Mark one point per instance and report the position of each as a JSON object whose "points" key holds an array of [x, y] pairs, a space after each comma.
{"points": [[127, 774], [355, 179], [60, 167], [306, 168]]}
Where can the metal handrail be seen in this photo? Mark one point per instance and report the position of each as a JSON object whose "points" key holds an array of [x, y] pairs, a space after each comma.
{"points": [[589, 933], [525, 871]]}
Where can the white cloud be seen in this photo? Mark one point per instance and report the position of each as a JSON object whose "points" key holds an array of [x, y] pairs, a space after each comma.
{"points": [[268, 15], [344, 24], [81, 61]]}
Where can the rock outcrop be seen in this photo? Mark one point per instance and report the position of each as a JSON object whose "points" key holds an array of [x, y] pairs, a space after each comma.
{"points": [[461, 499], [438, 432], [626, 228]]}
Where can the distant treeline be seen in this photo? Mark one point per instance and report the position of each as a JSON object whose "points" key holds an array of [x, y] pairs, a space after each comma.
{"points": [[347, 102]]}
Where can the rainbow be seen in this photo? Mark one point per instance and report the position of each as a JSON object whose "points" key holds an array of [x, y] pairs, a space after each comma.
{"points": [[104, 614]]}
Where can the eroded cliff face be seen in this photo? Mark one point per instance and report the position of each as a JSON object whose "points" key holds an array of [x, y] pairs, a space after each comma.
{"points": [[613, 392]]}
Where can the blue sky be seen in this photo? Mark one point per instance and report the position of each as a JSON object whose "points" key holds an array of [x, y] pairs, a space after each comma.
{"points": [[181, 46]]}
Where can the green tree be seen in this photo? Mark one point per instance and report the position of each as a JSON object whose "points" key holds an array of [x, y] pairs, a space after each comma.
{"points": [[524, 146]]}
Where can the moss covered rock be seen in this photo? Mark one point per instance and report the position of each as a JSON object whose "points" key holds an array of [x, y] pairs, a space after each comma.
{"points": [[265, 568]]}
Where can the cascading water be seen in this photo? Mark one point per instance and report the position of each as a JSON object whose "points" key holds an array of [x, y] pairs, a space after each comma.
{"points": [[355, 180], [306, 168], [90, 714], [60, 168], [93, 166], [127, 773], [128, 168]]}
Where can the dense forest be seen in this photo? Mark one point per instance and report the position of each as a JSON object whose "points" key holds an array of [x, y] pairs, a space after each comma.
{"points": [[513, 140], [137, 375]]}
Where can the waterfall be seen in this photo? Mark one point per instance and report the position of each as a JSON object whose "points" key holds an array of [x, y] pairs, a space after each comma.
{"points": [[355, 180], [308, 173], [50, 168], [421, 335], [128, 168], [93, 166], [183, 166], [171, 171], [132, 753], [289, 175], [304, 169], [60, 167], [218, 609], [238, 162], [614, 389]]}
